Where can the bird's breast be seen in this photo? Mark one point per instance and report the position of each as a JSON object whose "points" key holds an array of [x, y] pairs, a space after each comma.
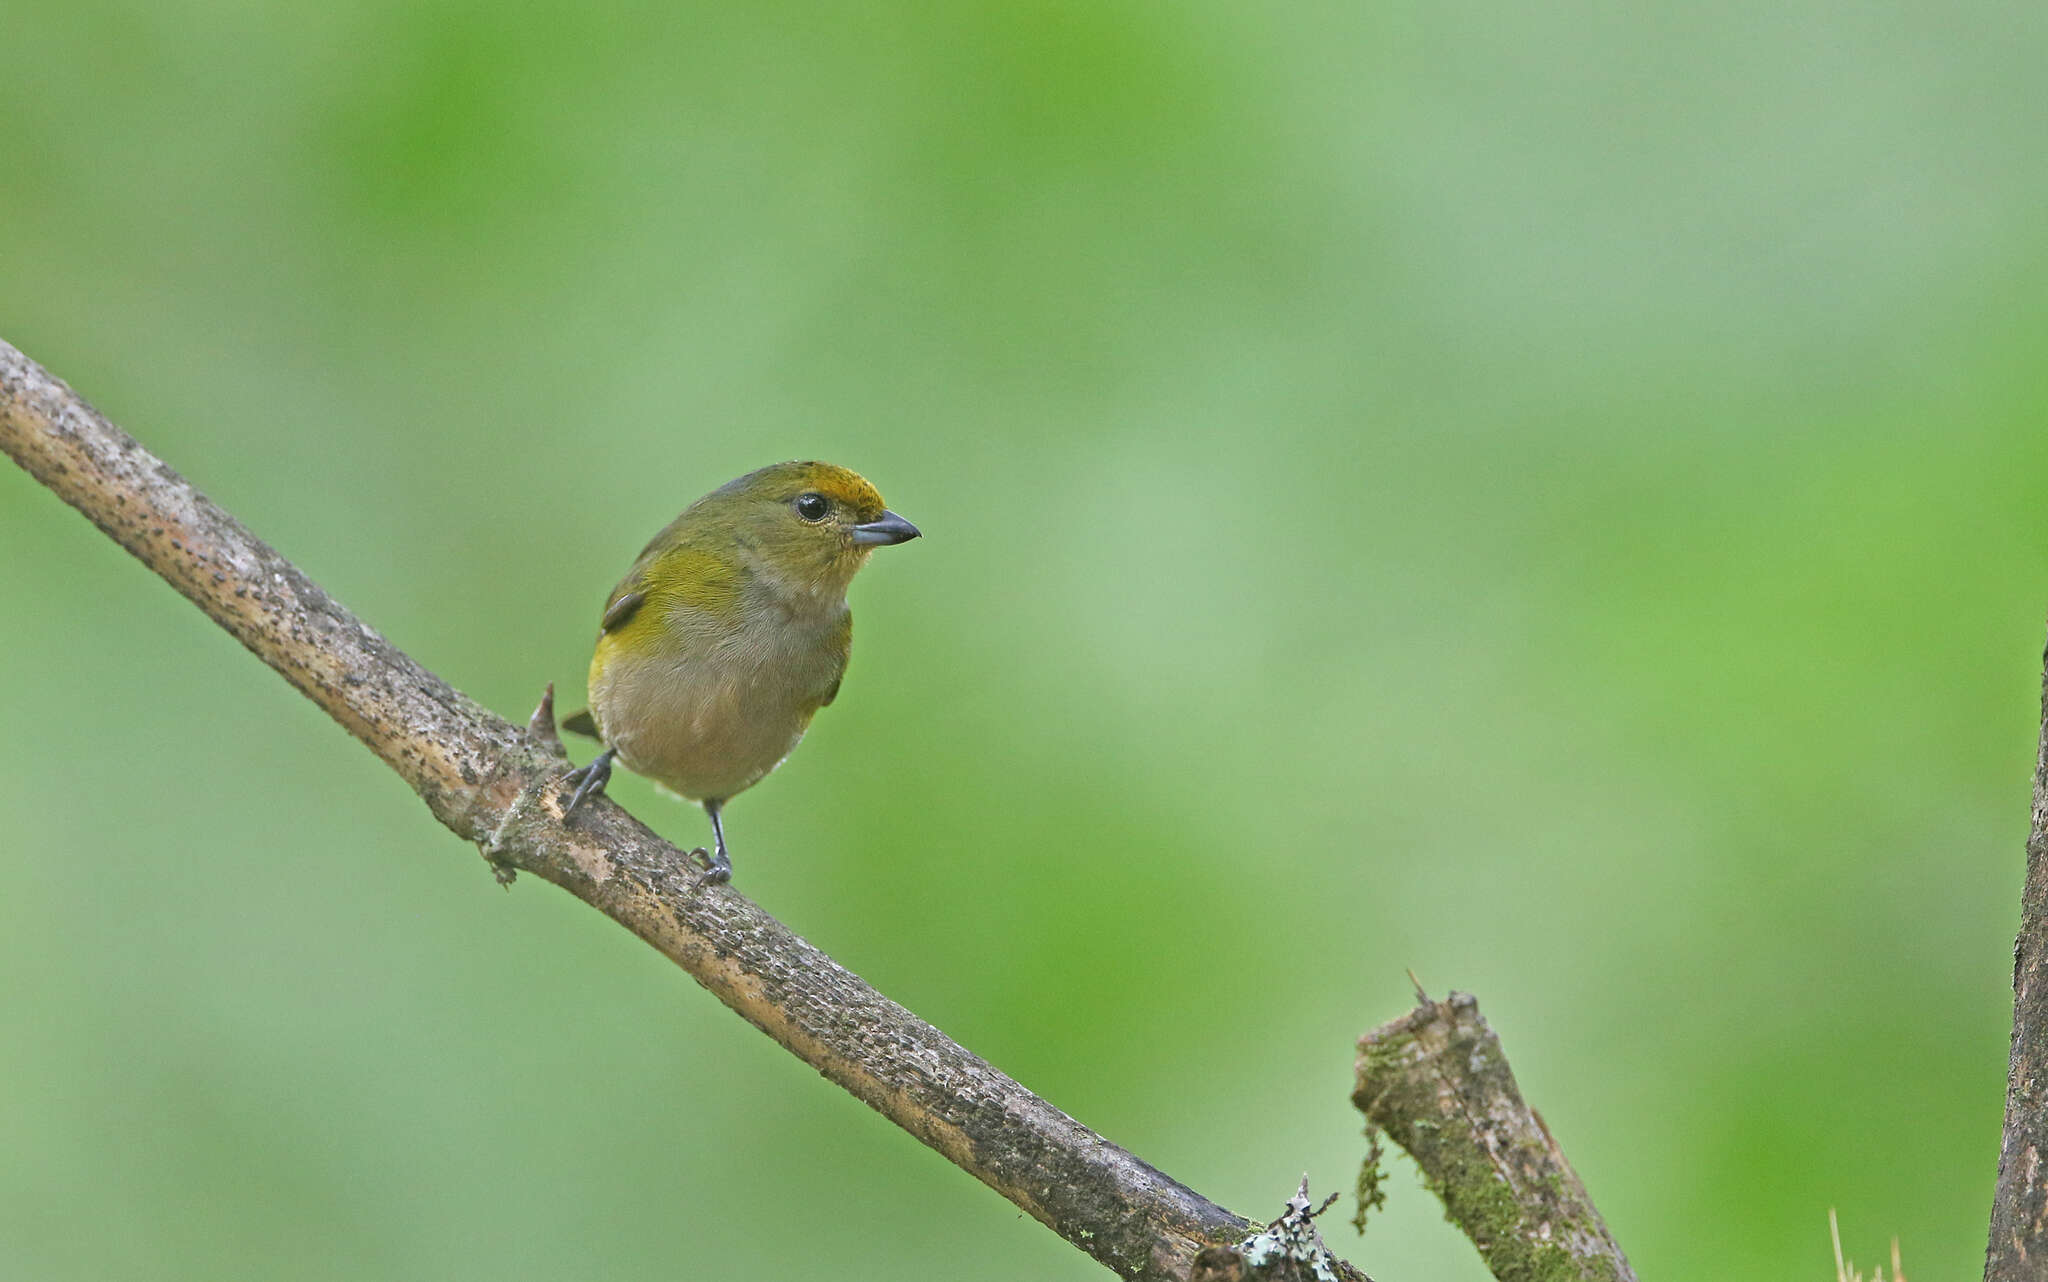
{"points": [[711, 710]]}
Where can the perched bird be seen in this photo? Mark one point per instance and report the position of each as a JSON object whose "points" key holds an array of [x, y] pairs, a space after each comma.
{"points": [[728, 633]]}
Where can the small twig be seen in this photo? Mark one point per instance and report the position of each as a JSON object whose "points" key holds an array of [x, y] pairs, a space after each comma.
{"points": [[1437, 1081], [540, 727]]}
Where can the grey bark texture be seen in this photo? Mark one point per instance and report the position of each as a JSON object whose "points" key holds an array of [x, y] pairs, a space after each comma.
{"points": [[2018, 1250], [497, 784], [1436, 1081]]}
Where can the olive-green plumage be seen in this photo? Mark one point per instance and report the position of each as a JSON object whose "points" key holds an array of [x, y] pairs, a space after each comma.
{"points": [[731, 630]]}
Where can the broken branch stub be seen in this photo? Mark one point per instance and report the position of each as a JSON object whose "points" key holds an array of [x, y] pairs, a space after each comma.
{"points": [[1437, 1082]]}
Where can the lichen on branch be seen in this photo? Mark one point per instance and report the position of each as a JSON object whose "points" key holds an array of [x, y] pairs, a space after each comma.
{"points": [[1438, 1084]]}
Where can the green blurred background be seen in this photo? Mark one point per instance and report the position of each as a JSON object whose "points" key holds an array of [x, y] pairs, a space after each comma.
{"points": [[1546, 497]]}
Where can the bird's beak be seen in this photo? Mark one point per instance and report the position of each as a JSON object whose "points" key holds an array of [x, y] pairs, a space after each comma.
{"points": [[891, 528]]}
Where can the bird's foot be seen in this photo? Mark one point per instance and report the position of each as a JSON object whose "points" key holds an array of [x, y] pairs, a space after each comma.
{"points": [[717, 867], [588, 780]]}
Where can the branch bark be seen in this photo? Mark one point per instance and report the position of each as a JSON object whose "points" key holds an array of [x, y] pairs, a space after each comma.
{"points": [[2018, 1250], [495, 784], [1437, 1082]]}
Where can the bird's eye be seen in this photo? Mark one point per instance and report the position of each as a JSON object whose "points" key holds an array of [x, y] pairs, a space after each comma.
{"points": [[812, 507]]}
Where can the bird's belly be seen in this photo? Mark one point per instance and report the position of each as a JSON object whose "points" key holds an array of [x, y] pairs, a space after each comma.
{"points": [[703, 730]]}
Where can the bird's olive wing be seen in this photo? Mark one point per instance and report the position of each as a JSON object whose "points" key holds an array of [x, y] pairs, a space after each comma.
{"points": [[620, 610]]}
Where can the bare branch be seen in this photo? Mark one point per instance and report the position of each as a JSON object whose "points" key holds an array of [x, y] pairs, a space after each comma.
{"points": [[495, 784], [2018, 1251], [1437, 1081]]}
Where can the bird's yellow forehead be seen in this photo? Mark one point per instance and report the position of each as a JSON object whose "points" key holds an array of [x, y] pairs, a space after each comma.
{"points": [[787, 480]]}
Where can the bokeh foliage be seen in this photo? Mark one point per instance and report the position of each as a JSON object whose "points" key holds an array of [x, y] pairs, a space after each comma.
{"points": [[1546, 496]]}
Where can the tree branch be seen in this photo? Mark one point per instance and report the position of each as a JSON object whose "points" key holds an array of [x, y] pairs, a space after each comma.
{"points": [[1437, 1081], [2018, 1250], [495, 784]]}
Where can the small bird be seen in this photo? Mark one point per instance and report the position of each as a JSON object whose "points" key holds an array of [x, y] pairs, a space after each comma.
{"points": [[730, 631]]}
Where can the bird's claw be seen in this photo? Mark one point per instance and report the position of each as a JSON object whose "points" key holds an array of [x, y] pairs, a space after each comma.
{"points": [[588, 780], [717, 868]]}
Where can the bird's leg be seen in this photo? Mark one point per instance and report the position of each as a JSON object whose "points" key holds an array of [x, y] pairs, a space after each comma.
{"points": [[589, 780], [719, 866]]}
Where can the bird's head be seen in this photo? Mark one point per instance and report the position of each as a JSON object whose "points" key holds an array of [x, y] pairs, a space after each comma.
{"points": [[811, 524]]}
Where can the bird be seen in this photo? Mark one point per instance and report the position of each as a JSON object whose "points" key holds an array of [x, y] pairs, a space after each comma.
{"points": [[727, 635]]}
